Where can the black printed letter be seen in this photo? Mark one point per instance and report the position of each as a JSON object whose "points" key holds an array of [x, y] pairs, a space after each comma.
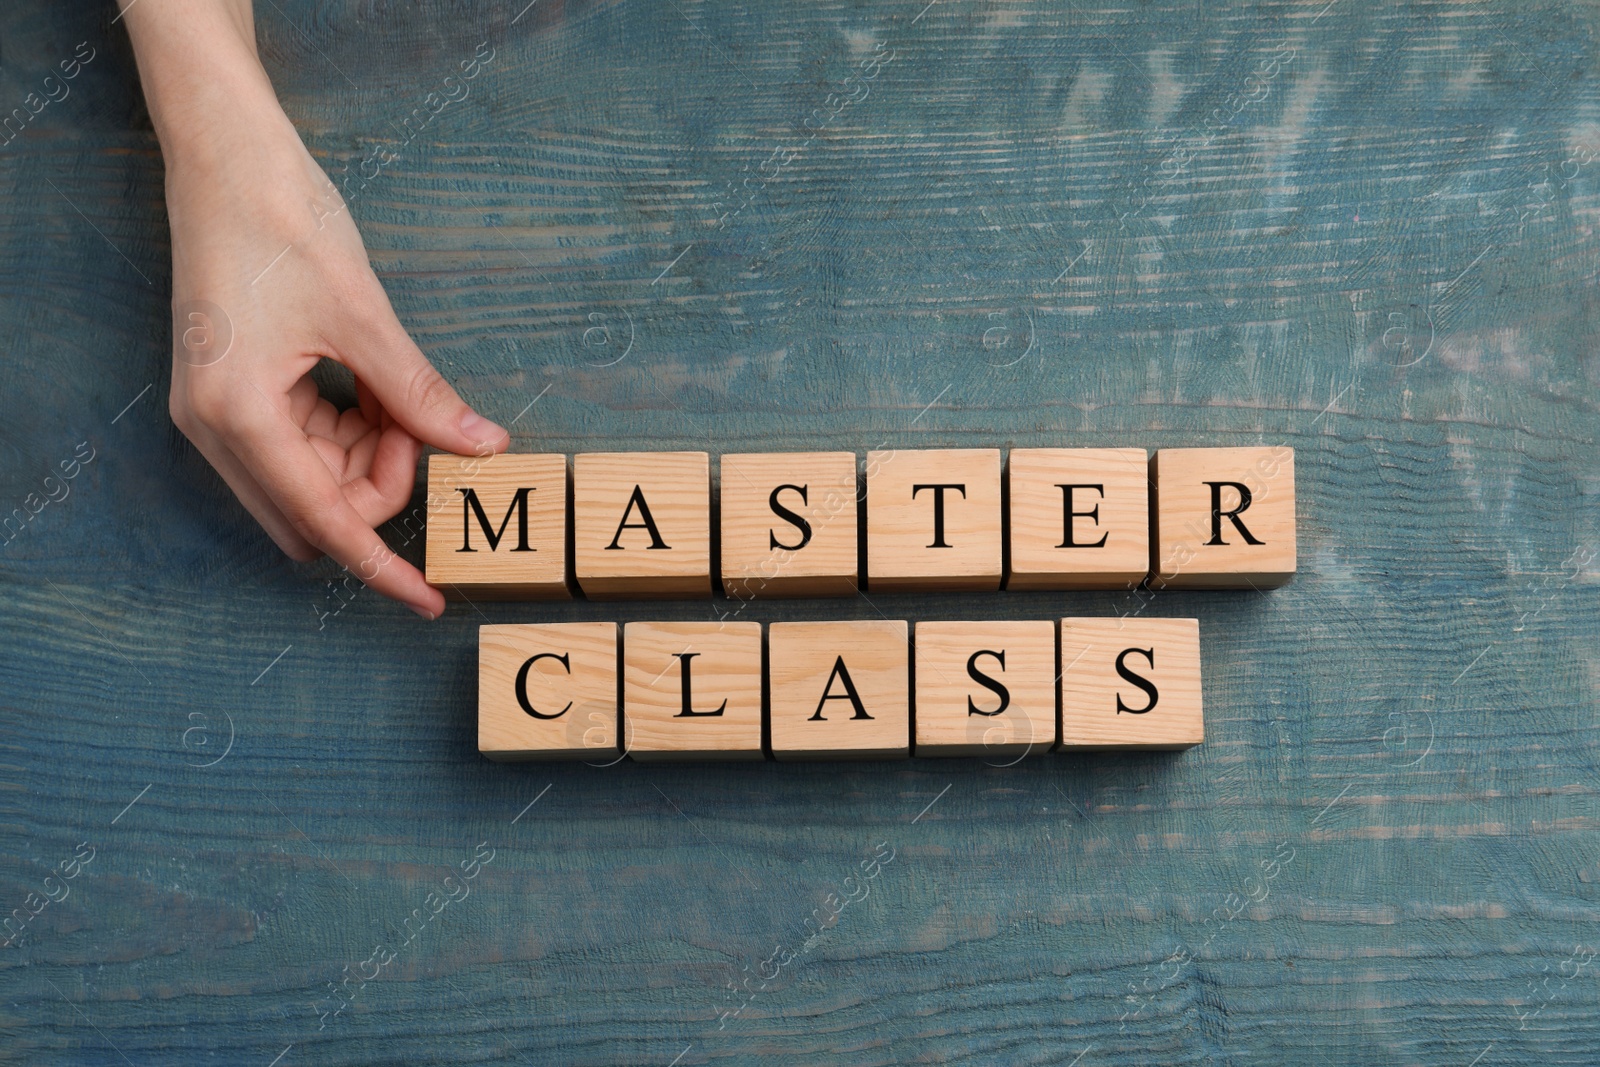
{"points": [[987, 682], [789, 516], [648, 523], [938, 509], [1142, 682], [1217, 514], [522, 684], [519, 504], [1068, 515], [849, 693], [688, 700]]}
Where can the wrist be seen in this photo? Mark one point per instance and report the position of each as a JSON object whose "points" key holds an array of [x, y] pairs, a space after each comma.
{"points": [[203, 81], [211, 124], [235, 140]]}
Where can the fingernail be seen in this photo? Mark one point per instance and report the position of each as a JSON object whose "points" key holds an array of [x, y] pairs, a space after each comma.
{"points": [[480, 429], [424, 612]]}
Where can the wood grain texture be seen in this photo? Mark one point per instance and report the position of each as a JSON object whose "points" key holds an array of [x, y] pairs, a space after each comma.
{"points": [[1131, 683], [1086, 225], [693, 690], [1077, 518], [810, 547], [511, 542], [641, 524], [839, 689], [934, 520], [549, 691], [1223, 518], [984, 689]]}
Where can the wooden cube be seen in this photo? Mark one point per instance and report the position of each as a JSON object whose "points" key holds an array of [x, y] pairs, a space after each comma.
{"points": [[548, 691], [839, 690], [933, 520], [1079, 518], [642, 524], [1224, 518], [985, 688], [1130, 683], [692, 690], [497, 526], [788, 524]]}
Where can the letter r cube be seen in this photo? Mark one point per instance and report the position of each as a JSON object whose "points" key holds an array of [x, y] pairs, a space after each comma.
{"points": [[1224, 518]]}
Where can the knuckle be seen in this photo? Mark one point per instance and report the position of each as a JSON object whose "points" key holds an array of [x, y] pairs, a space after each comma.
{"points": [[181, 414], [428, 391], [203, 403], [301, 551], [392, 501], [350, 284]]}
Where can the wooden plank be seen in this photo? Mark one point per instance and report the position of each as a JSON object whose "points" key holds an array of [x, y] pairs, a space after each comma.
{"points": [[1016, 226]]}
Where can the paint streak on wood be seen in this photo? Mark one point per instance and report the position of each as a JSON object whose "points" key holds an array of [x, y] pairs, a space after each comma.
{"points": [[1364, 230]]}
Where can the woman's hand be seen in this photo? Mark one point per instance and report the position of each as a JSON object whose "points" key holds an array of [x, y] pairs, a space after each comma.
{"points": [[269, 276]]}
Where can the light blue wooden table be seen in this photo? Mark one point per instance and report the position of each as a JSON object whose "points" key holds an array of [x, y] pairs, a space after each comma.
{"points": [[1364, 230]]}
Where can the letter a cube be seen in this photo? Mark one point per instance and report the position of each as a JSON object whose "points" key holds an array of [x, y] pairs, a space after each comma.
{"points": [[839, 690], [642, 524]]}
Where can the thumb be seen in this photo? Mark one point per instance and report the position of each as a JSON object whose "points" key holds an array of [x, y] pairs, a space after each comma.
{"points": [[418, 397]]}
